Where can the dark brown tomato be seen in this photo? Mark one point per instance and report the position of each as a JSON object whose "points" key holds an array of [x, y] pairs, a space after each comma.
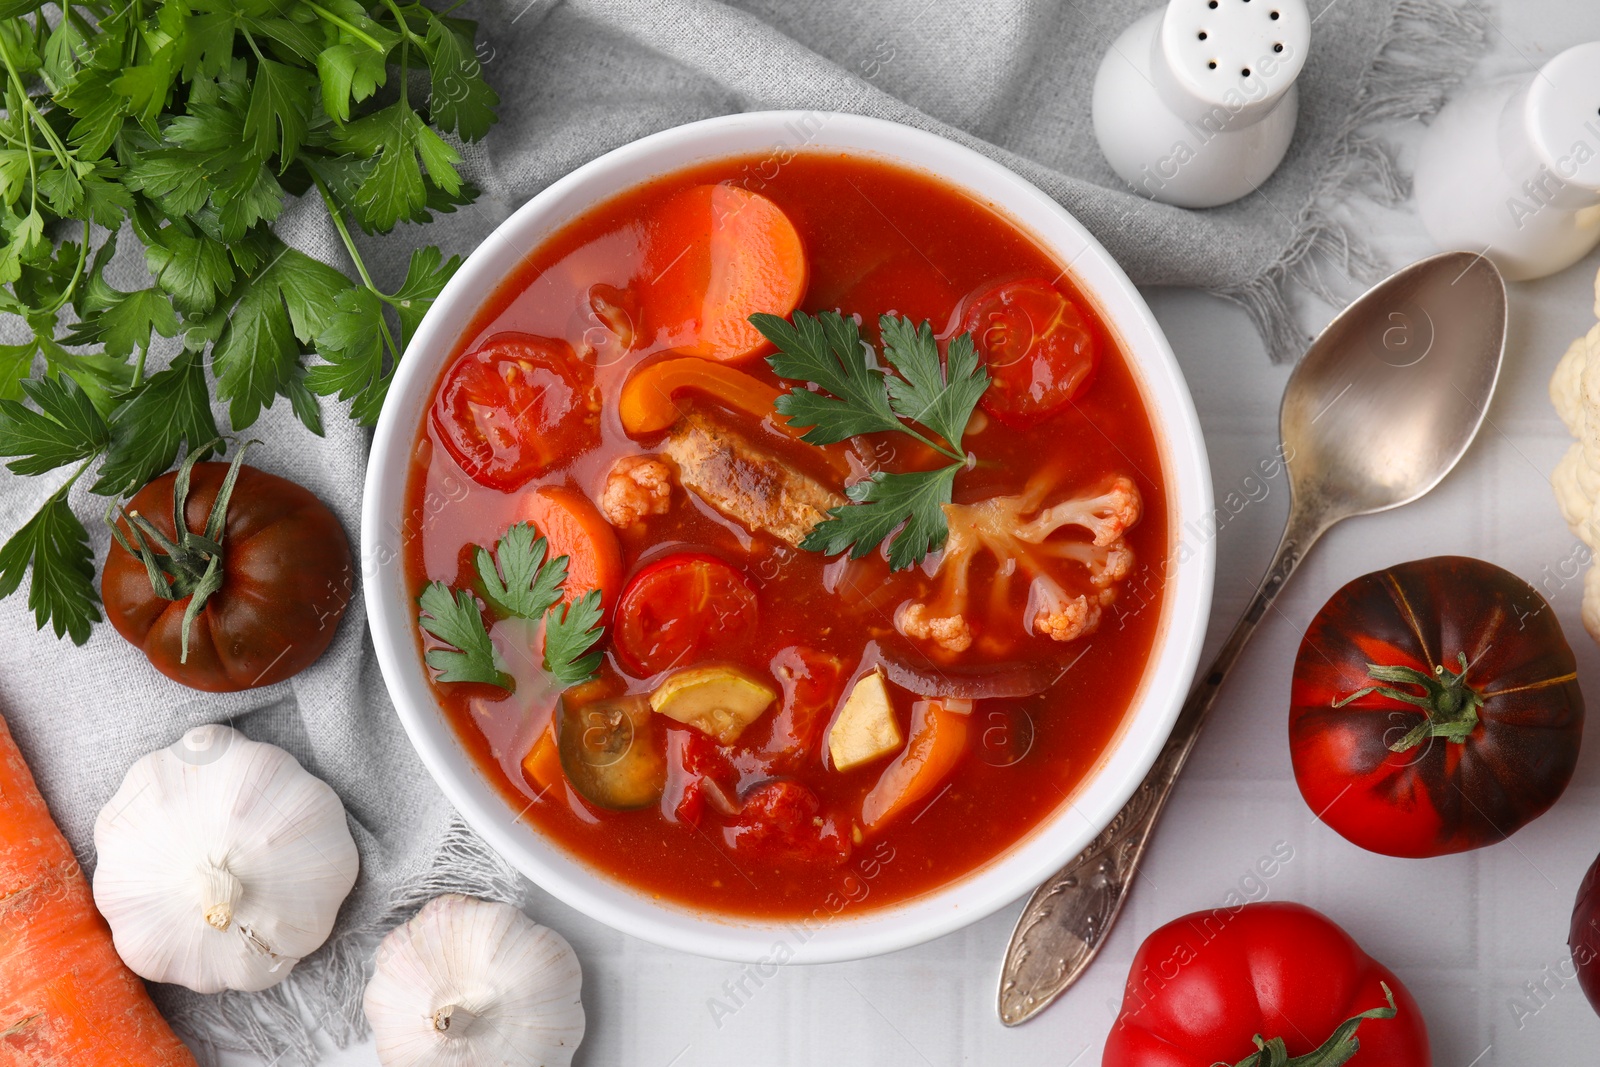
{"points": [[1435, 708], [1584, 936], [287, 579]]}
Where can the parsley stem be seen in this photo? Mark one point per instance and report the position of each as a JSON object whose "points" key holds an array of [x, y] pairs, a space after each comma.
{"points": [[933, 443], [251, 41], [344, 233], [354, 31], [405, 65], [62, 155], [27, 129], [68, 484], [27, 139], [12, 141], [77, 275], [405, 28], [355, 257]]}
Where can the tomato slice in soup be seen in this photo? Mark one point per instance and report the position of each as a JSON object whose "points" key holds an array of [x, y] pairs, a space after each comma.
{"points": [[514, 406], [1037, 346], [681, 609]]}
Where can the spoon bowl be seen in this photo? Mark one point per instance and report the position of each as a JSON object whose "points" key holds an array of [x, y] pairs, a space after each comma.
{"points": [[1382, 406], [1389, 396]]}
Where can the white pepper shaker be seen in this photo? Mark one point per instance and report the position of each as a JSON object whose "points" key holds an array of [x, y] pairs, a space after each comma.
{"points": [[1195, 104], [1512, 170]]}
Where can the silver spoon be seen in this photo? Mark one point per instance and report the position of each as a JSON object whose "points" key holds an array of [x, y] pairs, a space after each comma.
{"points": [[1383, 404]]}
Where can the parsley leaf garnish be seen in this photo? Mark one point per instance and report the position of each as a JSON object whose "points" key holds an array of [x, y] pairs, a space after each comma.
{"points": [[854, 395], [943, 402], [517, 582], [570, 634], [883, 502], [456, 621], [173, 406], [516, 579], [828, 351], [65, 428], [352, 340]]}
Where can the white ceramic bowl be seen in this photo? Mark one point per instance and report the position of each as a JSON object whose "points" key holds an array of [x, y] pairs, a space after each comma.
{"points": [[853, 933]]}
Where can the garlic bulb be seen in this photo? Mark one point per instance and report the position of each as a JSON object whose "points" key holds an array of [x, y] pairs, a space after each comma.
{"points": [[467, 982], [221, 863]]}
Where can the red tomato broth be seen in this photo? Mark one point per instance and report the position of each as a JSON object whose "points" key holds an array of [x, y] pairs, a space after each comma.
{"points": [[1026, 756]]}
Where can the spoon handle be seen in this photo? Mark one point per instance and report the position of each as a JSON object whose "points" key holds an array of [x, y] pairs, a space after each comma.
{"points": [[1068, 917]]}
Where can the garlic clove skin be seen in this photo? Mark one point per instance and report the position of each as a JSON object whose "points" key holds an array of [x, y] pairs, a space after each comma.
{"points": [[468, 983], [221, 863]]}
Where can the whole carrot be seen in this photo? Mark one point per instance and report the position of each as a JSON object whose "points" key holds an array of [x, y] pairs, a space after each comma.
{"points": [[66, 1000]]}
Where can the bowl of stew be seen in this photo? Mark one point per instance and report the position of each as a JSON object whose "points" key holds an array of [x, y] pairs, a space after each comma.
{"points": [[773, 540]]}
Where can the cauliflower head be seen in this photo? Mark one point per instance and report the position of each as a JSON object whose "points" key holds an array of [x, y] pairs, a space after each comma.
{"points": [[1575, 393]]}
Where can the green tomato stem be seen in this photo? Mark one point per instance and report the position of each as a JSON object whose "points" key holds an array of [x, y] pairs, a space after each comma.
{"points": [[1449, 705], [1334, 1052]]}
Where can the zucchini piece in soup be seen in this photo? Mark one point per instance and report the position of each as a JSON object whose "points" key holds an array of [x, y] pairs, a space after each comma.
{"points": [[720, 700], [866, 728], [611, 751]]}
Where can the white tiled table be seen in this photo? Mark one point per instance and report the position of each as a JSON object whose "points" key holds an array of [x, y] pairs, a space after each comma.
{"points": [[1465, 933]]}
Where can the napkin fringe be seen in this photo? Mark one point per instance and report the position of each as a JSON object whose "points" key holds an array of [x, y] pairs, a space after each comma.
{"points": [[324, 992], [1426, 49]]}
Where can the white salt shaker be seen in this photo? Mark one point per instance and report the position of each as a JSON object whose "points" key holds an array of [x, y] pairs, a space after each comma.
{"points": [[1195, 104], [1513, 170]]}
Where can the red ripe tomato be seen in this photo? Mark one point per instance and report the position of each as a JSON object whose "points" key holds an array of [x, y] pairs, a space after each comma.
{"points": [[1040, 351], [681, 609], [1584, 936], [1204, 989], [1435, 708], [781, 822], [515, 405], [286, 580]]}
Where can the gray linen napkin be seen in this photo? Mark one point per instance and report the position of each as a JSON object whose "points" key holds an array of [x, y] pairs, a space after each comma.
{"points": [[1011, 78]]}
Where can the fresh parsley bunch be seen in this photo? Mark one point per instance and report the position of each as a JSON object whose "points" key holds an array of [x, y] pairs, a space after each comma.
{"points": [[189, 123]]}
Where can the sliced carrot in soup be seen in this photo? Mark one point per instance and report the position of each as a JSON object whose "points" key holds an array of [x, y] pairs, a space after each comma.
{"points": [[717, 255], [938, 741], [575, 528]]}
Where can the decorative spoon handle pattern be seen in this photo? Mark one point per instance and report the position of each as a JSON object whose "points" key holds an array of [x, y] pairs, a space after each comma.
{"points": [[1068, 917]]}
